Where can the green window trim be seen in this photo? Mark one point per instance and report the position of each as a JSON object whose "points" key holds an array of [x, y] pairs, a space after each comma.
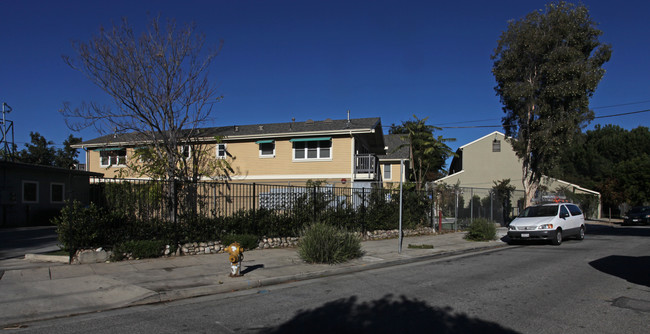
{"points": [[269, 141]]}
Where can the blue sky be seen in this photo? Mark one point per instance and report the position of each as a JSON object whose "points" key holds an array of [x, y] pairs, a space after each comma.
{"points": [[317, 59]]}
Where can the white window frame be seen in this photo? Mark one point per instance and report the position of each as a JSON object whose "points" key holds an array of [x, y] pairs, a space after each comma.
{"points": [[306, 149], [23, 191], [388, 168], [186, 151], [52, 184], [117, 159], [262, 155], [225, 151]]}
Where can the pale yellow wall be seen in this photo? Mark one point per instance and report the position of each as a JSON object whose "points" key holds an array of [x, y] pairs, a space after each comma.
{"points": [[92, 164], [395, 173], [250, 167]]}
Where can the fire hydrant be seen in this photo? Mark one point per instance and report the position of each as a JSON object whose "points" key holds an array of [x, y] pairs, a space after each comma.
{"points": [[236, 257]]}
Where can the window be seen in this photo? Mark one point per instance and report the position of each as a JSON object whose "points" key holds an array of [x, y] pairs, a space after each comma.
{"points": [[312, 149], [221, 151], [496, 146], [564, 212], [388, 171], [57, 192], [575, 210], [186, 151], [30, 192], [267, 148], [112, 157]]}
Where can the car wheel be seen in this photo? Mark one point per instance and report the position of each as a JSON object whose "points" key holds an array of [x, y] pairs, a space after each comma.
{"points": [[557, 240], [581, 234]]}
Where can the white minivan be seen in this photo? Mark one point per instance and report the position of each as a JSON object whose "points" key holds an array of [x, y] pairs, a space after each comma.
{"points": [[552, 222]]}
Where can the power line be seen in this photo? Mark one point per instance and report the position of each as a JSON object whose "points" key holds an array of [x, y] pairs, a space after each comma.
{"points": [[623, 114], [498, 126], [622, 104]]}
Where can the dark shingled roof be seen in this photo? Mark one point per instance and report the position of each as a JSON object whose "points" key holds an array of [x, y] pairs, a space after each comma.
{"points": [[256, 130], [394, 151]]}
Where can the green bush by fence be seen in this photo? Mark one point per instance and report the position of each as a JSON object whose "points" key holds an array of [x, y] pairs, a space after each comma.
{"points": [[324, 243], [482, 229], [125, 211]]}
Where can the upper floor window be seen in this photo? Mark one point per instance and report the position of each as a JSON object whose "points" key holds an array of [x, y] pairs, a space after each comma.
{"points": [[112, 157], [267, 148], [221, 151], [312, 148], [388, 171], [186, 151], [496, 146]]}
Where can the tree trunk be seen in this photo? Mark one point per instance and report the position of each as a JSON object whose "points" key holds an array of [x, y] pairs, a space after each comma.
{"points": [[530, 187]]}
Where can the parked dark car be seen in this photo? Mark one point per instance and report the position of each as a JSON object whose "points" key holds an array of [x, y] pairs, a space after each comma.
{"points": [[637, 215]]}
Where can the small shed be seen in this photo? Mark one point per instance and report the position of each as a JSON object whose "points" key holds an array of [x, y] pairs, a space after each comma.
{"points": [[30, 195]]}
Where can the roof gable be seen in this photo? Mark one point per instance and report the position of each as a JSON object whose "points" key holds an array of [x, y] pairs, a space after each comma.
{"points": [[495, 133]]}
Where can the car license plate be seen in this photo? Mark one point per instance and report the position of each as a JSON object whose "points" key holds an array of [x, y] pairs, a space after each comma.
{"points": [[525, 235], [635, 220]]}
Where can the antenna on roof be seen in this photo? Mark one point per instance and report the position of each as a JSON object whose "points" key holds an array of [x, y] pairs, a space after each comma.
{"points": [[8, 147], [348, 125]]}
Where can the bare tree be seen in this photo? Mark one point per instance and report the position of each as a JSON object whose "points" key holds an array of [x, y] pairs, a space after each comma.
{"points": [[159, 83]]}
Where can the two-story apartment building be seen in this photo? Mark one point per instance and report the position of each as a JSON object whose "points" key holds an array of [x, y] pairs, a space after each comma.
{"points": [[342, 152]]}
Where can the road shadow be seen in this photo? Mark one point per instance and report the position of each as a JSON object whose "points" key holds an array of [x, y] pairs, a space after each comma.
{"points": [[632, 231], [630, 268], [386, 315]]}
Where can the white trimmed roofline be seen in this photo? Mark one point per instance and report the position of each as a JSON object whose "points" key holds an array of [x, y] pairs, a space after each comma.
{"points": [[448, 176], [243, 137], [488, 135]]}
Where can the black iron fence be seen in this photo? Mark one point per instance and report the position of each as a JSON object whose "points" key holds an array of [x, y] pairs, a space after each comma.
{"points": [[355, 208], [459, 206], [290, 207]]}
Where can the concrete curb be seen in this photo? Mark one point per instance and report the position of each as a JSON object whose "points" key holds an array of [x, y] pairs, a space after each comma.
{"points": [[47, 258], [206, 290]]}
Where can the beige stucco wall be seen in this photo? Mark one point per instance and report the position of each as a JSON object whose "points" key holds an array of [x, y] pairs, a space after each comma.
{"points": [[395, 173], [92, 163], [481, 166], [249, 166]]}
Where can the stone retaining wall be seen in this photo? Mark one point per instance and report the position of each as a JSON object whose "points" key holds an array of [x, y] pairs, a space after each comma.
{"points": [[214, 247]]}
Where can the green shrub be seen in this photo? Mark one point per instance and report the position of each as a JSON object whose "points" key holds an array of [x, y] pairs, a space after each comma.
{"points": [[323, 243], [481, 229], [139, 249], [79, 227]]}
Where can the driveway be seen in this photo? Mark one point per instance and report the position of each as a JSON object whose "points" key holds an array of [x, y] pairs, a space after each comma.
{"points": [[16, 242]]}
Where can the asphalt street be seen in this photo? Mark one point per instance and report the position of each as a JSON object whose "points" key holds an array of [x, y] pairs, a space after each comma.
{"points": [[599, 285], [16, 242]]}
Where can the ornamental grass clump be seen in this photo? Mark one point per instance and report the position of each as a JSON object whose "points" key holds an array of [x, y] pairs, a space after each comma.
{"points": [[481, 229], [323, 243]]}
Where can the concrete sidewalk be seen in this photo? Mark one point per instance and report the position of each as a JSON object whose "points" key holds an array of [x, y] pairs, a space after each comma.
{"points": [[36, 291]]}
